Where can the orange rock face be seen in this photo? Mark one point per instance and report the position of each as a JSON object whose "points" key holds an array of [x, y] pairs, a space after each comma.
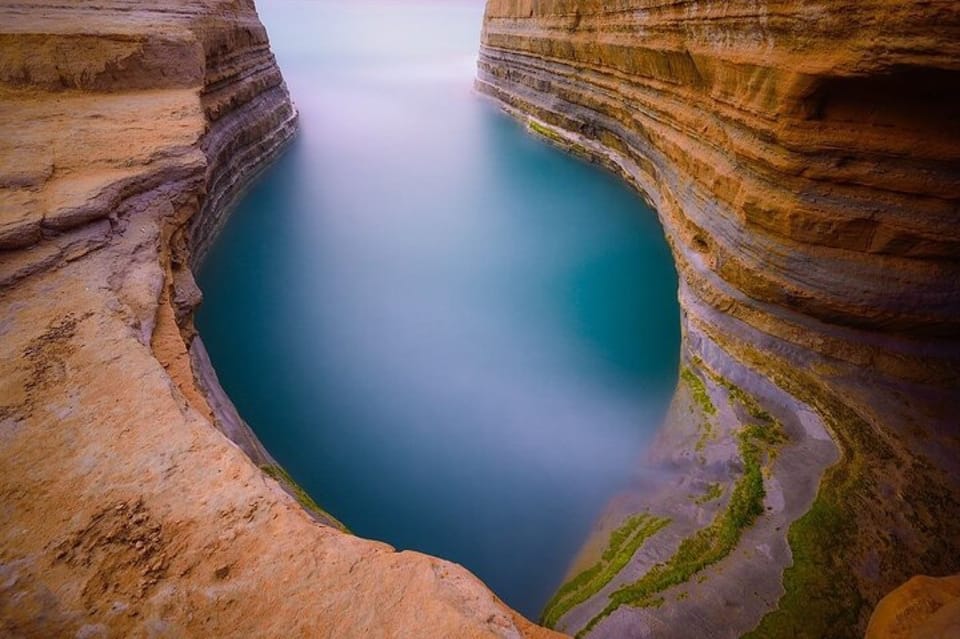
{"points": [[804, 160], [125, 130], [922, 608]]}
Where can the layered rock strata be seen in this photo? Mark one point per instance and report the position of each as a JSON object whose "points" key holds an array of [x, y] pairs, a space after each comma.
{"points": [[804, 159], [126, 128]]}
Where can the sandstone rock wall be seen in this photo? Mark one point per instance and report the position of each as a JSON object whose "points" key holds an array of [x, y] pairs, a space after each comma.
{"points": [[126, 129], [804, 159]]}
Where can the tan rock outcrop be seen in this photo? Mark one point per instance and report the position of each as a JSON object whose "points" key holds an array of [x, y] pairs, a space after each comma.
{"points": [[804, 160], [126, 128], [922, 608]]}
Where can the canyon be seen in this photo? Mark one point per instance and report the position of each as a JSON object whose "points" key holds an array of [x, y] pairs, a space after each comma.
{"points": [[803, 161]]}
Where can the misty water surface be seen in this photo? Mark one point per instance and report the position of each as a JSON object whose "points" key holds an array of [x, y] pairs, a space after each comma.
{"points": [[455, 337]]}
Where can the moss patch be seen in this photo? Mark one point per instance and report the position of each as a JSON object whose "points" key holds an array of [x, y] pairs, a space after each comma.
{"points": [[546, 132], [624, 543], [706, 434], [698, 391], [701, 398], [283, 477], [711, 544], [822, 598], [559, 140], [713, 491], [851, 518]]}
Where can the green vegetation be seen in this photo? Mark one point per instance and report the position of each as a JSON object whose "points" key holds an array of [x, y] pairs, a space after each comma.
{"points": [[711, 544], [566, 143], [831, 607], [770, 434], [546, 132], [737, 394], [822, 598], [283, 477], [699, 391], [714, 490], [624, 543], [706, 434], [652, 602], [769, 429]]}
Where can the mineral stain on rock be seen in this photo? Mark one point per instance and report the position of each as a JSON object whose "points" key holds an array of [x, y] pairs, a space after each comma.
{"points": [[124, 549]]}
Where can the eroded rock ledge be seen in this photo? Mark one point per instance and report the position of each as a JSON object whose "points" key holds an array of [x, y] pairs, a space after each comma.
{"points": [[804, 159], [126, 128]]}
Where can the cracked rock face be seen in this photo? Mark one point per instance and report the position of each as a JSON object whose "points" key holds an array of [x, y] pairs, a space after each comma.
{"points": [[126, 129], [804, 159]]}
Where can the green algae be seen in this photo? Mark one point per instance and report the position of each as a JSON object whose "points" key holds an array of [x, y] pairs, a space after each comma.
{"points": [[559, 140], [278, 473], [713, 491], [624, 543], [546, 132], [698, 391], [709, 545]]}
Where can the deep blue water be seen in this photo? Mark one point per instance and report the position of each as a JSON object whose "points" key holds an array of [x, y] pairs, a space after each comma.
{"points": [[455, 337]]}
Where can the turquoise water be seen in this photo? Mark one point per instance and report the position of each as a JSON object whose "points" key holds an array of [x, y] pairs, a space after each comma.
{"points": [[456, 338]]}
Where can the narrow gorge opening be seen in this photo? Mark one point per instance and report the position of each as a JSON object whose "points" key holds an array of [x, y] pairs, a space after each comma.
{"points": [[456, 338]]}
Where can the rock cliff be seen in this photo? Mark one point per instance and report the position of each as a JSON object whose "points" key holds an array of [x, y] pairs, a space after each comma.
{"points": [[126, 128], [804, 159]]}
